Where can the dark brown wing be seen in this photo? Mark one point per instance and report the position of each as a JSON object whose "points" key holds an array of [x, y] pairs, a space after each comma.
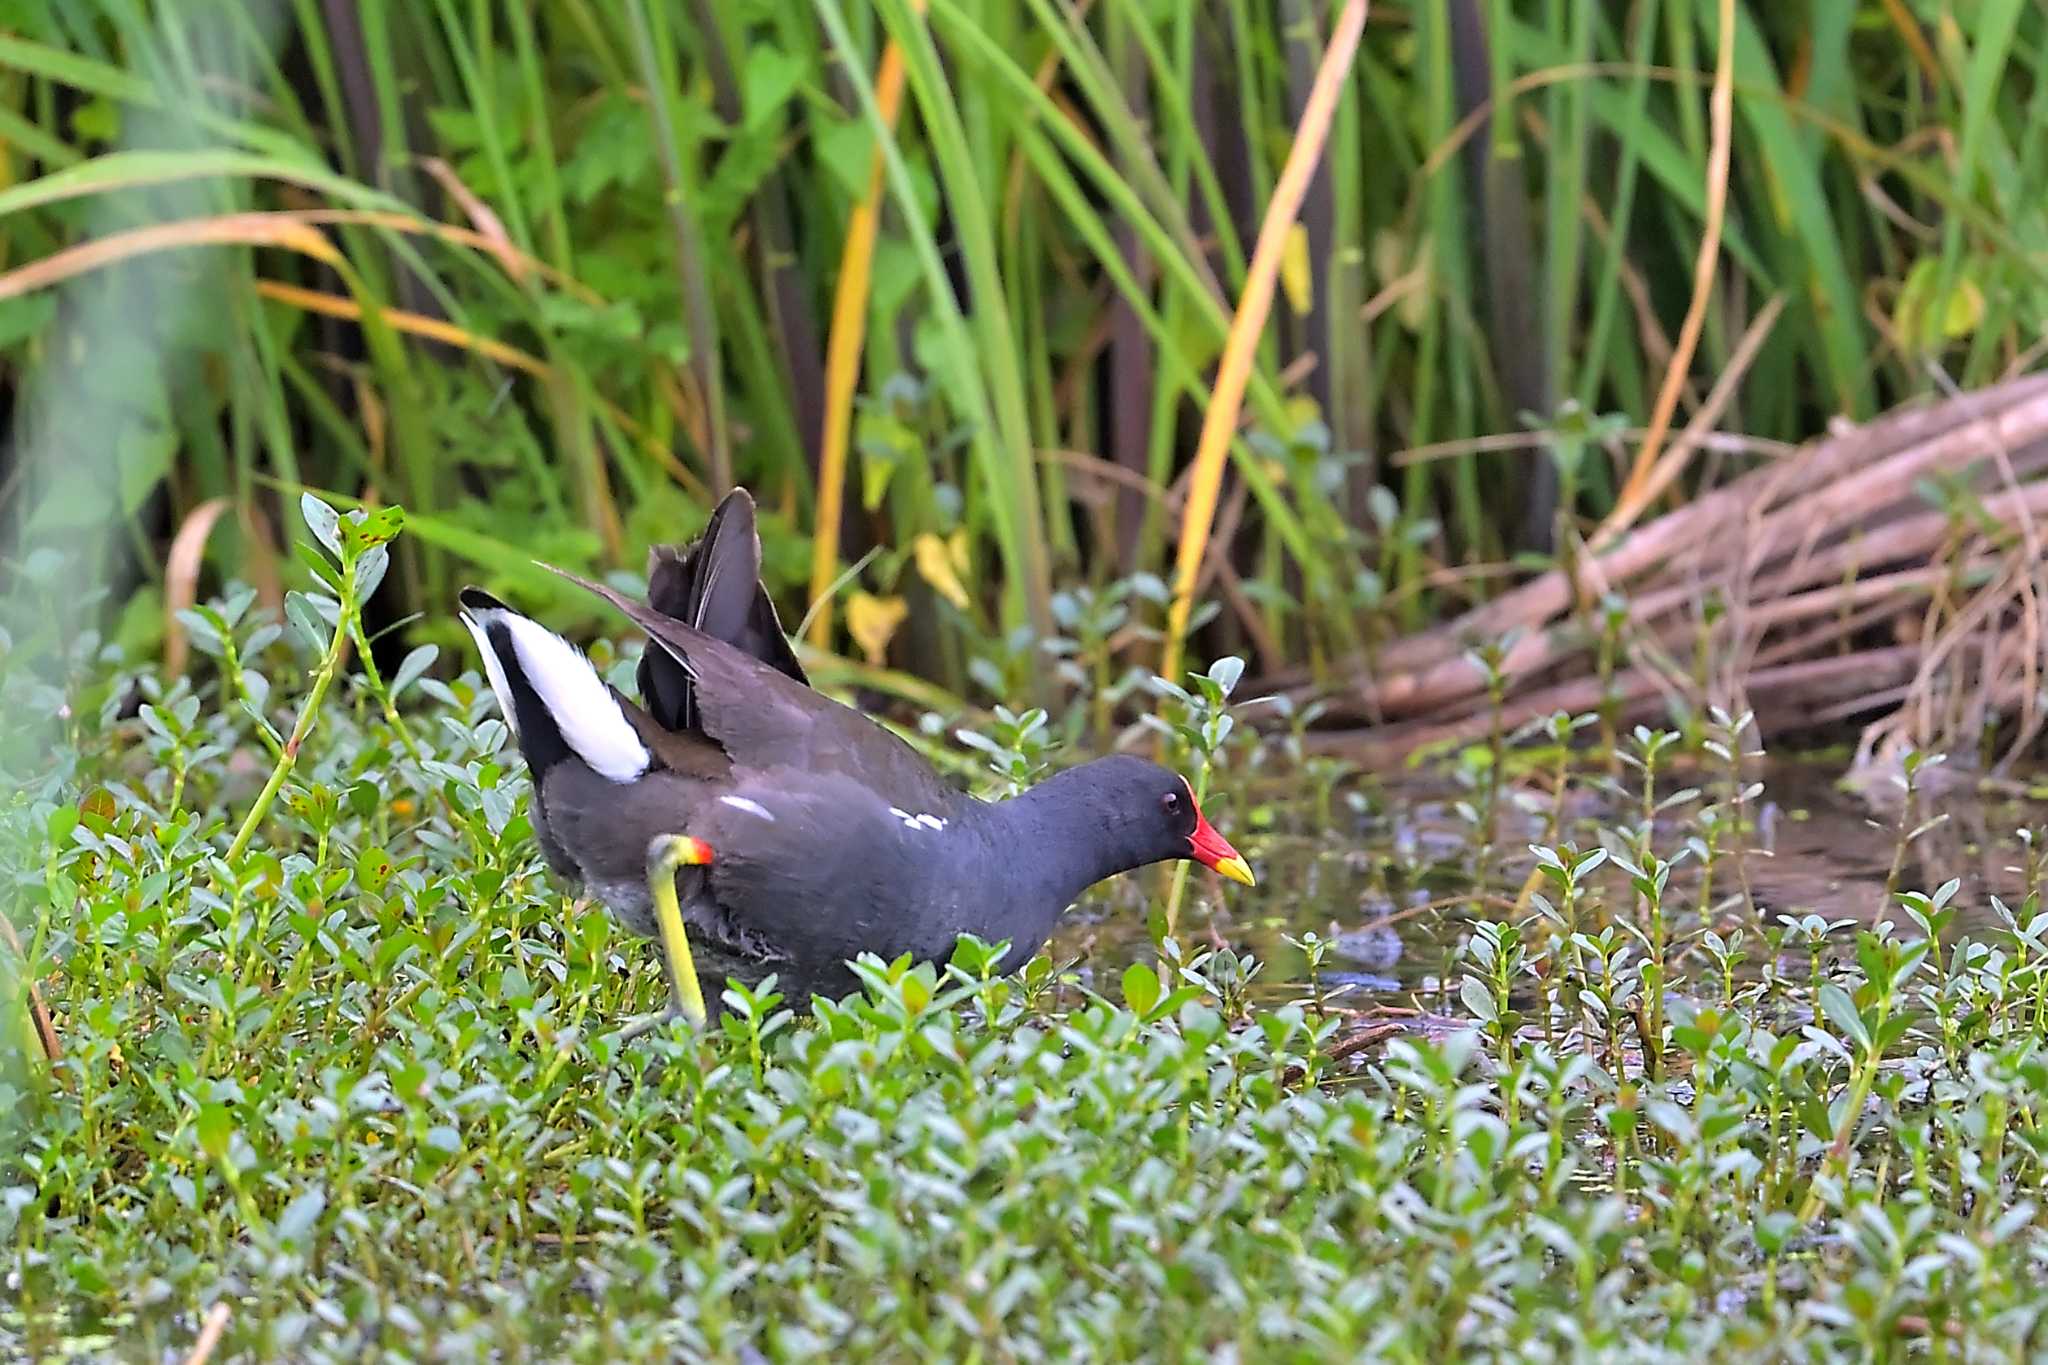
{"points": [[689, 753], [715, 586], [764, 719]]}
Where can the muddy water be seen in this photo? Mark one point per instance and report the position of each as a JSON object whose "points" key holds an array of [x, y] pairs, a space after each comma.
{"points": [[1399, 871]]}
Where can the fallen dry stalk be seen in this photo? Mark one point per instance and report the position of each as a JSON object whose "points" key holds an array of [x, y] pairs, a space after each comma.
{"points": [[1639, 691], [1822, 566]]}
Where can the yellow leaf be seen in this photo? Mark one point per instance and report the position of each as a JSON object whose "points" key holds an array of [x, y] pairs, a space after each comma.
{"points": [[1965, 310], [1302, 410], [1295, 275], [1924, 318], [956, 546], [935, 566], [872, 621]]}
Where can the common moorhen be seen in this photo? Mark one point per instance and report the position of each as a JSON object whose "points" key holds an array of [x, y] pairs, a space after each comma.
{"points": [[797, 832]]}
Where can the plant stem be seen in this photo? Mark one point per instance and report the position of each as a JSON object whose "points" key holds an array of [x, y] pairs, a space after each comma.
{"points": [[288, 759]]}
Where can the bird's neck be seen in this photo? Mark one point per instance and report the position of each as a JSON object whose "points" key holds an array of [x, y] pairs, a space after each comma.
{"points": [[1055, 841]]}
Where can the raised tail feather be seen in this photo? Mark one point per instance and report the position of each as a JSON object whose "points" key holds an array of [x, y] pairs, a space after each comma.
{"points": [[714, 585]]}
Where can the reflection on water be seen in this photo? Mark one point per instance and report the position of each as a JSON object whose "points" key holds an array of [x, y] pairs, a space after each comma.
{"points": [[1392, 881]]}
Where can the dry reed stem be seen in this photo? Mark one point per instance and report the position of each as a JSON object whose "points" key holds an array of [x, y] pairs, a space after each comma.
{"points": [[2030, 592], [210, 1333], [1516, 442], [1807, 554], [1640, 692], [1835, 484], [447, 333], [228, 229], [1638, 493], [411, 324], [486, 221], [1219, 421], [38, 1012], [1673, 461], [181, 578]]}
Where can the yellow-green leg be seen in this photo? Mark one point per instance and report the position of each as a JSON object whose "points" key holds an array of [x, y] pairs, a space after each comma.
{"points": [[665, 855]]}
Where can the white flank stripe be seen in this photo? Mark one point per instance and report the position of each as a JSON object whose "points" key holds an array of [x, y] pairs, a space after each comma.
{"points": [[916, 821], [751, 807], [591, 722]]}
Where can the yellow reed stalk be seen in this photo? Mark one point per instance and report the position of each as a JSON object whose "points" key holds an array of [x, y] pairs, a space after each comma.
{"points": [[1219, 422], [843, 351]]}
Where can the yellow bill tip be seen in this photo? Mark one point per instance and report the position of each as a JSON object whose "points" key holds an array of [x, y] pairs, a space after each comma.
{"points": [[1237, 869]]}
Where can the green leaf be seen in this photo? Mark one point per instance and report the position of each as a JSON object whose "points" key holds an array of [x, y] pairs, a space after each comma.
{"points": [[1836, 1004], [216, 1130], [369, 571], [1225, 673], [845, 149], [127, 171], [414, 667], [323, 521], [487, 551], [365, 528], [299, 1217], [373, 870], [613, 150], [299, 610], [1141, 987], [771, 77], [142, 456], [24, 316]]}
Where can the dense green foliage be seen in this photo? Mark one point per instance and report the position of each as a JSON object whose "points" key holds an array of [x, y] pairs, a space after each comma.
{"points": [[336, 1053], [656, 200], [355, 1079]]}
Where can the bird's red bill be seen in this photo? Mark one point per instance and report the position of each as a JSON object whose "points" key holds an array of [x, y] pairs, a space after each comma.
{"points": [[1212, 850]]}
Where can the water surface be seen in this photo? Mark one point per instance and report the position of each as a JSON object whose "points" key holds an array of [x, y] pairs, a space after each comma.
{"points": [[1398, 872]]}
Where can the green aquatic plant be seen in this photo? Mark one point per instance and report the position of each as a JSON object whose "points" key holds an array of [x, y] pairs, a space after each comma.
{"points": [[351, 1098]]}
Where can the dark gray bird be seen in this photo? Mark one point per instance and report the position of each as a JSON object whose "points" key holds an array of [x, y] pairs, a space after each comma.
{"points": [[740, 815]]}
